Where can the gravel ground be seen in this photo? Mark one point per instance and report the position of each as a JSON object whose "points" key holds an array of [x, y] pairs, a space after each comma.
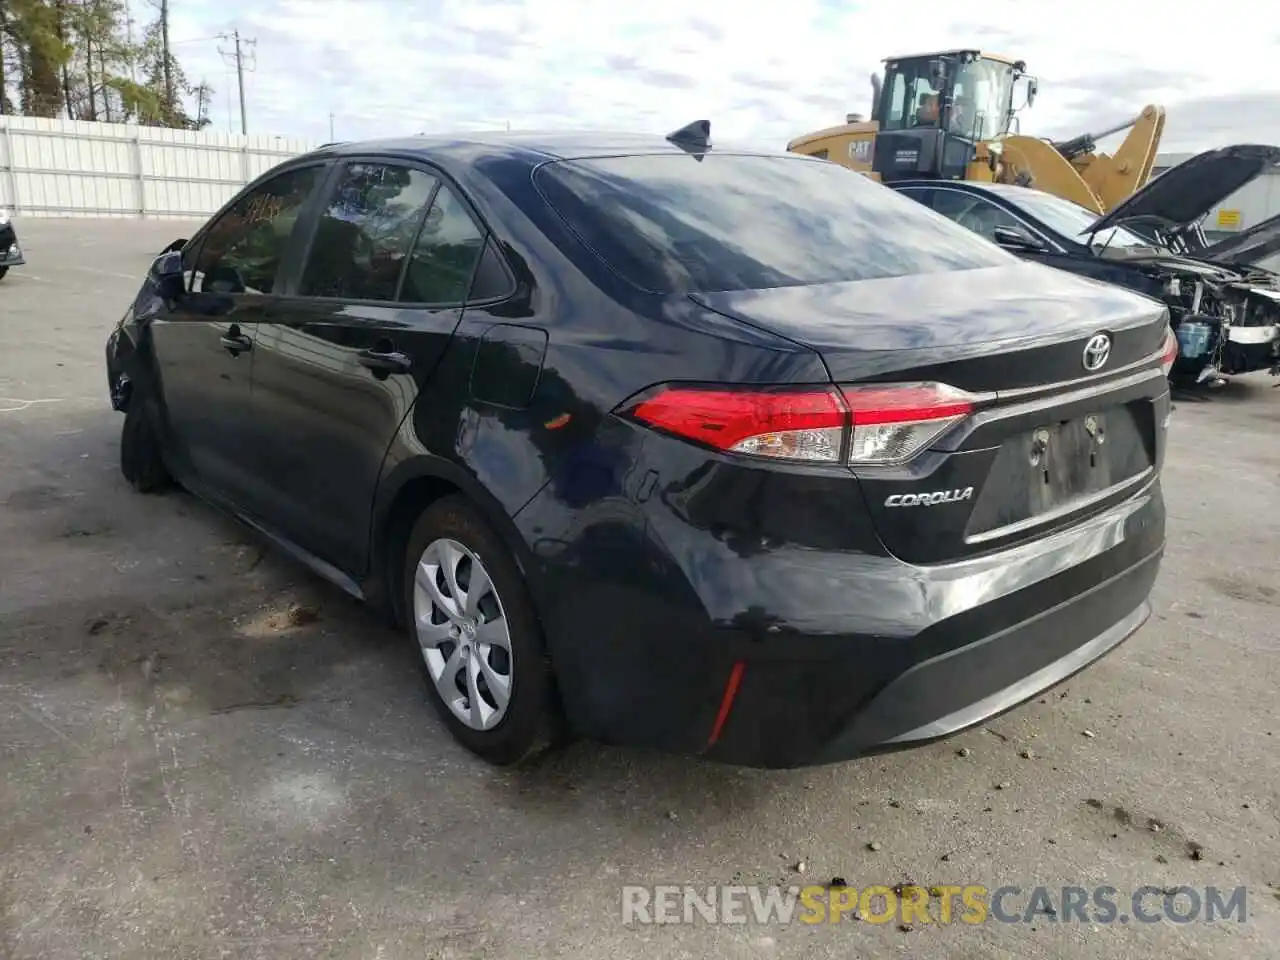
{"points": [[190, 771]]}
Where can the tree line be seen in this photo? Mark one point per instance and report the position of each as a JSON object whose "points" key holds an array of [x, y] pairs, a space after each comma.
{"points": [[80, 59]]}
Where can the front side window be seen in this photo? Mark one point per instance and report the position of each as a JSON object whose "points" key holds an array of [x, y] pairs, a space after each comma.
{"points": [[679, 224], [445, 255], [241, 251], [365, 231], [981, 96]]}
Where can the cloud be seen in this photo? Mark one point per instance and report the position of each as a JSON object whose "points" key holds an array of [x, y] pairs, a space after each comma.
{"points": [[388, 67]]}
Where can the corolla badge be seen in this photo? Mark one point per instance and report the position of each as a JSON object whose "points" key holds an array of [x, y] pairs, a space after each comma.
{"points": [[930, 499], [1096, 352]]}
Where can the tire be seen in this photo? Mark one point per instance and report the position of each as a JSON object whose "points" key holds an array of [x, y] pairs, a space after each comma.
{"points": [[140, 460], [3, 271], [452, 646]]}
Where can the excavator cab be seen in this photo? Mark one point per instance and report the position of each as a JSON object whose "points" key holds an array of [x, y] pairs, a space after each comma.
{"points": [[952, 115], [932, 110]]}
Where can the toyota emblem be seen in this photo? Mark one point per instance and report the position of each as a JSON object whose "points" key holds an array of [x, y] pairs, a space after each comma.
{"points": [[1096, 352]]}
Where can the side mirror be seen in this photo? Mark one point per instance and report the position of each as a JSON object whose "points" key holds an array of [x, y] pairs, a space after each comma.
{"points": [[1015, 238], [166, 274], [176, 245], [1033, 87]]}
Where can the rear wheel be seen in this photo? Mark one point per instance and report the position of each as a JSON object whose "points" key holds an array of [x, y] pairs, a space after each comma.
{"points": [[140, 460], [479, 644], [3, 271]]}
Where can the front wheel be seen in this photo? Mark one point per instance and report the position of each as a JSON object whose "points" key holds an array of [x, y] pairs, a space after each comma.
{"points": [[3, 271], [479, 644], [140, 459]]}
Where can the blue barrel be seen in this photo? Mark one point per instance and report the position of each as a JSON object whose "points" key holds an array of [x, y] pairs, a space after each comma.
{"points": [[1193, 338]]}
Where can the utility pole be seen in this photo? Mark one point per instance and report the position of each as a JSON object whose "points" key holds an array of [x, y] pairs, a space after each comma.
{"points": [[243, 49], [202, 104], [133, 56], [166, 63], [332, 138]]}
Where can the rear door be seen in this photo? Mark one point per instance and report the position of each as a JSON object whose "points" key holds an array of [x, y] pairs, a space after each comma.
{"points": [[204, 343], [350, 346]]}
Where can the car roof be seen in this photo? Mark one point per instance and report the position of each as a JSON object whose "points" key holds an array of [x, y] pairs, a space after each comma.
{"points": [[531, 146]]}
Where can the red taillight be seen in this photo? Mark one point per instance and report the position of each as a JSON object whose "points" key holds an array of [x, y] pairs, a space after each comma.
{"points": [[893, 423], [786, 424], [864, 425], [1170, 352]]}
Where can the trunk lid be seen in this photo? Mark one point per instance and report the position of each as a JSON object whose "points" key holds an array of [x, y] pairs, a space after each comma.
{"points": [[1187, 192], [1050, 441], [997, 329]]}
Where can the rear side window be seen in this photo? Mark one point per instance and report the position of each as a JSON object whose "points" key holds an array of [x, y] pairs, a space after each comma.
{"points": [[491, 281], [445, 255], [676, 223], [975, 213], [365, 232]]}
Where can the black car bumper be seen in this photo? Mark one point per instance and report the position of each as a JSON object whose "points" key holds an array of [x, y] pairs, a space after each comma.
{"points": [[10, 249], [837, 654], [953, 690]]}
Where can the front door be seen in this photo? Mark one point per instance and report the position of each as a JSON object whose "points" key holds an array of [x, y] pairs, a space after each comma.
{"points": [[351, 344], [204, 343]]}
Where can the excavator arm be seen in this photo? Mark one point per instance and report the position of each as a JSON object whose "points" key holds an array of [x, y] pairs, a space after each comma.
{"points": [[1032, 162], [1075, 170], [1117, 176]]}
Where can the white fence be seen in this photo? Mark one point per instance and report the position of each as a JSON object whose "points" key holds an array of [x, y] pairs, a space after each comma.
{"points": [[75, 168]]}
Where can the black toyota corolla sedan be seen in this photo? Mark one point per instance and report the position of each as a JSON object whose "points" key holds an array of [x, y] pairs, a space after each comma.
{"points": [[10, 251], [659, 443]]}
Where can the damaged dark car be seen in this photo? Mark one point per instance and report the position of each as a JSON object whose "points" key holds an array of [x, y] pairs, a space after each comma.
{"points": [[10, 251], [1224, 307]]}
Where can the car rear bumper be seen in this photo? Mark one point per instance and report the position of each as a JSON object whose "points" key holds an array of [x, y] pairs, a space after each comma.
{"points": [[966, 686], [837, 655]]}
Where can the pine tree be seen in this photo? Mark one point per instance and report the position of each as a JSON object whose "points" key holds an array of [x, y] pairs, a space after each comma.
{"points": [[77, 58], [34, 28], [6, 105], [163, 79]]}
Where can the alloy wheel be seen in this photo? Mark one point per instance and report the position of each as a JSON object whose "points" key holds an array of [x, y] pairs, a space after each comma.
{"points": [[463, 633]]}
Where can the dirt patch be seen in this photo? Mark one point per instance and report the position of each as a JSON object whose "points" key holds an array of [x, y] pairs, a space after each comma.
{"points": [[272, 621], [1240, 589], [207, 656], [36, 498]]}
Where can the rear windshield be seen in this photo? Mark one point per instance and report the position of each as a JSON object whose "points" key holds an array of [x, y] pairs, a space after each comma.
{"points": [[677, 224]]}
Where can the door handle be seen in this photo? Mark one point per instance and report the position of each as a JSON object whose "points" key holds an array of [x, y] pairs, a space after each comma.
{"points": [[384, 362], [236, 342]]}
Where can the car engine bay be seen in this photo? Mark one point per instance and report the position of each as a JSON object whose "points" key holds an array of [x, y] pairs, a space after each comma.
{"points": [[1227, 321]]}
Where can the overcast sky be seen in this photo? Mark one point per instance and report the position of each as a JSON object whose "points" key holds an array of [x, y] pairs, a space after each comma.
{"points": [[760, 72]]}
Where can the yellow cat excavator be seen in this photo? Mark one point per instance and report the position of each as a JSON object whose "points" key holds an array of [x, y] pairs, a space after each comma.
{"points": [[951, 115]]}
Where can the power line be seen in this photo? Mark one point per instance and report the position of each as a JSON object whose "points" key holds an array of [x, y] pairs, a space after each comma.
{"points": [[243, 50]]}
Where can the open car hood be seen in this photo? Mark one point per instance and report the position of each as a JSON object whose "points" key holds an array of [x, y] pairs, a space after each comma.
{"points": [[1187, 192], [1247, 247]]}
